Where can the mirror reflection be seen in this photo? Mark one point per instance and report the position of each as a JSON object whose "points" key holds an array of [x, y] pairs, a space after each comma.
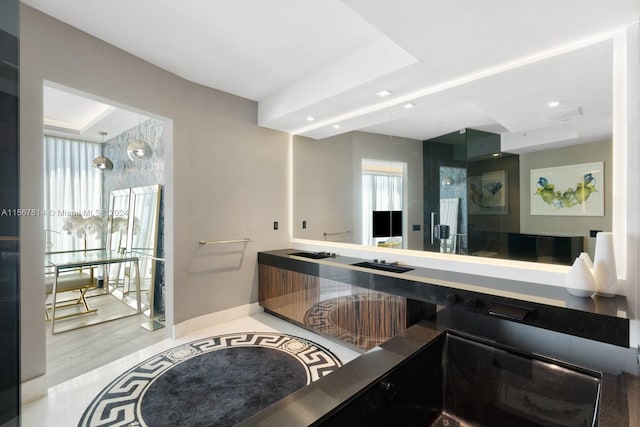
{"points": [[118, 219], [143, 231], [460, 170], [133, 227]]}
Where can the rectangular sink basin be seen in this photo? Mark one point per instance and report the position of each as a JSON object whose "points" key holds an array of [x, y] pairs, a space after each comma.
{"points": [[312, 255], [458, 380], [384, 267]]}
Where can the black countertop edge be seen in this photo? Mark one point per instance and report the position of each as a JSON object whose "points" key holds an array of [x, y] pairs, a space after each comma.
{"points": [[313, 403], [594, 320]]}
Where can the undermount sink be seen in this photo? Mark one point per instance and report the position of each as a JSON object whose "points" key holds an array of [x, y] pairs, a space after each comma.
{"points": [[460, 380], [312, 255], [393, 268]]}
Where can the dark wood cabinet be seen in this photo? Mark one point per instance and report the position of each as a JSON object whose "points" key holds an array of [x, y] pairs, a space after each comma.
{"points": [[357, 316]]}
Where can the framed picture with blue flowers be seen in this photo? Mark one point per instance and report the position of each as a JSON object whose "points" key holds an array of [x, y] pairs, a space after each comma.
{"points": [[488, 193], [572, 190]]}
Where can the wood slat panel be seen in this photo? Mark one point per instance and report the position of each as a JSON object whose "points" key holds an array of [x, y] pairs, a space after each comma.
{"points": [[360, 317], [287, 293]]}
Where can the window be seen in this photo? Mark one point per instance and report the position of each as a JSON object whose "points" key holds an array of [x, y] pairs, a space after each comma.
{"points": [[382, 190], [72, 187]]}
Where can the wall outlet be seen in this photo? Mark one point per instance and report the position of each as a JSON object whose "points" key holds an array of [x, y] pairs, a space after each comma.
{"points": [[304, 224], [593, 233], [275, 225]]}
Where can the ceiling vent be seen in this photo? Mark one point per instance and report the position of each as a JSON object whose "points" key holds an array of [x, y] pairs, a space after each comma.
{"points": [[561, 115]]}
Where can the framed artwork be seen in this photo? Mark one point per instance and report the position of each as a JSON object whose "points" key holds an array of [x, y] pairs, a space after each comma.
{"points": [[572, 190], [488, 193]]}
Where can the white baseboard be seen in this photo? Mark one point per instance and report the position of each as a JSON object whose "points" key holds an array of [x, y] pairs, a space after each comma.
{"points": [[211, 319], [33, 389]]}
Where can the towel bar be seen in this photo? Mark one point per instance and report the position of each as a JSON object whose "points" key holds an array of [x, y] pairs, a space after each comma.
{"points": [[222, 242], [325, 234]]}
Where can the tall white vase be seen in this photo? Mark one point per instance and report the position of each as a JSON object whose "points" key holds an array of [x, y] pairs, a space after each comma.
{"points": [[604, 265], [580, 281]]}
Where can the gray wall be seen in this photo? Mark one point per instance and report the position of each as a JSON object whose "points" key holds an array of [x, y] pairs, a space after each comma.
{"points": [[327, 185], [226, 178], [585, 153], [322, 188]]}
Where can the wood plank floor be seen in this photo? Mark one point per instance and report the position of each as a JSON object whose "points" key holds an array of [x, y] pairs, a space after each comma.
{"points": [[77, 351]]}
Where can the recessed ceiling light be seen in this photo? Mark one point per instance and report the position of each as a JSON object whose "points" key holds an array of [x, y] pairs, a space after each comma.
{"points": [[553, 104], [384, 93], [409, 105], [310, 118], [336, 126]]}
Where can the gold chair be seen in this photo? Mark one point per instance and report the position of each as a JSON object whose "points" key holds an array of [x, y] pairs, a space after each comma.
{"points": [[74, 280]]}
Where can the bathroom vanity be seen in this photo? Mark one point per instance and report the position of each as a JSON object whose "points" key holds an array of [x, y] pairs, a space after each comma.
{"points": [[365, 302]]}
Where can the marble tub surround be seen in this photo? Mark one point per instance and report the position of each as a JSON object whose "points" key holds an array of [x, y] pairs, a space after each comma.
{"points": [[547, 307], [315, 404], [308, 406]]}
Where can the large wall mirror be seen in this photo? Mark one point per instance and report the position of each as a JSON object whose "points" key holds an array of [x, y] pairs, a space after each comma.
{"points": [[134, 227], [517, 165], [118, 219], [143, 235]]}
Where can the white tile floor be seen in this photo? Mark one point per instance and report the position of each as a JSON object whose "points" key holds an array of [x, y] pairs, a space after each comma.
{"points": [[65, 403]]}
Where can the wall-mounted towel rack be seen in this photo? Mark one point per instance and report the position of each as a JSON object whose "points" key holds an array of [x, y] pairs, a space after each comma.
{"points": [[325, 234], [223, 242]]}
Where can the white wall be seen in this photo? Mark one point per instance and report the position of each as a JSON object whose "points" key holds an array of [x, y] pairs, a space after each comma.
{"points": [[226, 177]]}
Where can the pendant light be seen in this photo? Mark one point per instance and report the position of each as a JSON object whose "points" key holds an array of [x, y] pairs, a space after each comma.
{"points": [[101, 162], [139, 149]]}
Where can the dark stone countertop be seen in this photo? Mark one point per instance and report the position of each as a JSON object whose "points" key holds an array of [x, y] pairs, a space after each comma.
{"points": [[551, 307], [519, 289]]}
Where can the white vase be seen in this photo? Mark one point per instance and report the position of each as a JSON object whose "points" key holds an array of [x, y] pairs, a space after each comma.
{"points": [[604, 265], [580, 281], [587, 259]]}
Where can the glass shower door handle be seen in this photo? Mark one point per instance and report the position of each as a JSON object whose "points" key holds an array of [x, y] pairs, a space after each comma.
{"points": [[438, 231], [434, 216]]}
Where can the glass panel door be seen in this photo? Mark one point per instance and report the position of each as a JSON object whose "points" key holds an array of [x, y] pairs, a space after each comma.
{"points": [[9, 218], [445, 193]]}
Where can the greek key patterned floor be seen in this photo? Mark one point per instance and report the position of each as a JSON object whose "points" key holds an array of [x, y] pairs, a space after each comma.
{"points": [[121, 403], [66, 402]]}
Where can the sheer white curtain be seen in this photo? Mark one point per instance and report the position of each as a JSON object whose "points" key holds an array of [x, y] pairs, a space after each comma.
{"points": [[380, 192], [72, 186]]}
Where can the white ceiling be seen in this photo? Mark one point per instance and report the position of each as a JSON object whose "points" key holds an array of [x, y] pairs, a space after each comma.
{"points": [[327, 58], [69, 113]]}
